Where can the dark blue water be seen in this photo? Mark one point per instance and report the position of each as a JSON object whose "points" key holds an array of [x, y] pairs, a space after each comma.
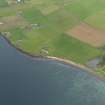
{"points": [[27, 81]]}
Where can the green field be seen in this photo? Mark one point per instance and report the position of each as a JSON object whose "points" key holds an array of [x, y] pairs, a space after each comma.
{"points": [[97, 20], [40, 26]]}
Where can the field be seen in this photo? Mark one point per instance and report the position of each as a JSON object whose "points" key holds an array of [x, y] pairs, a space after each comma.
{"points": [[88, 34], [70, 29]]}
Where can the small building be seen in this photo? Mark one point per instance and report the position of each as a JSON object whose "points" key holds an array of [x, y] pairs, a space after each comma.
{"points": [[35, 26], [13, 2], [19, 1]]}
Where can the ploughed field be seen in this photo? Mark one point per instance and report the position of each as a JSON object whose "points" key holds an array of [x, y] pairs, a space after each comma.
{"points": [[70, 29]]}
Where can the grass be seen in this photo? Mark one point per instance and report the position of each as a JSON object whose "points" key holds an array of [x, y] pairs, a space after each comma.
{"points": [[97, 20], [84, 8], [32, 15], [3, 3], [16, 34], [62, 19], [59, 45], [70, 48], [53, 19]]}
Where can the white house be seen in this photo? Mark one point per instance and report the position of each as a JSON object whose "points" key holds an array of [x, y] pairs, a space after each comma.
{"points": [[18, 1]]}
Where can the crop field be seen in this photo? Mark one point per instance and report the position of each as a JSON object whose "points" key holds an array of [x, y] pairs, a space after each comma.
{"points": [[70, 29]]}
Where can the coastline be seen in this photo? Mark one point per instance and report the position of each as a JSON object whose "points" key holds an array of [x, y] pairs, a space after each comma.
{"points": [[19, 49], [62, 60], [46, 57], [78, 66]]}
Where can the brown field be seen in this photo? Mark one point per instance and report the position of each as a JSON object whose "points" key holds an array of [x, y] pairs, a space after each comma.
{"points": [[11, 21], [88, 34]]}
